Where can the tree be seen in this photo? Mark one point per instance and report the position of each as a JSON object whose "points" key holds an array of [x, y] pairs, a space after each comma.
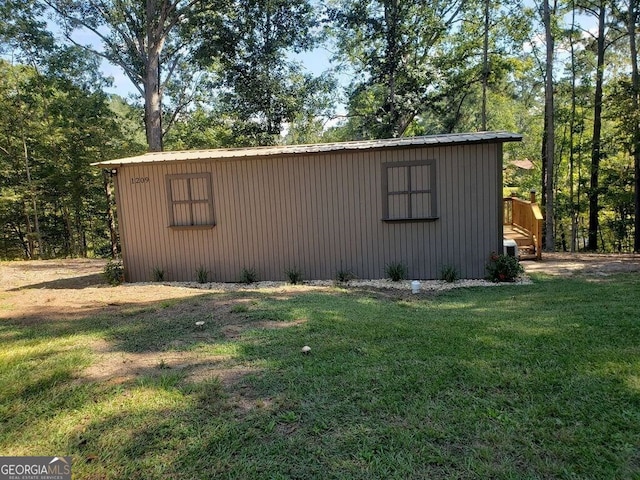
{"points": [[632, 28], [548, 154], [260, 87], [427, 67], [485, 62], [605, 38], [56, 122], [490, 50], [594, 193], [392, 46], [143, 39], [23, 30], [572, 130]]}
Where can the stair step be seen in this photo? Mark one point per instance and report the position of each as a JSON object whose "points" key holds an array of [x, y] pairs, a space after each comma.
{"points": [[526, 252]]}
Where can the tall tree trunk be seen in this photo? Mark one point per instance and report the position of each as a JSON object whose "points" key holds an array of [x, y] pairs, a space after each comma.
{"points": [[543, 166], [111, 219], [594, 192], [28, 236], [81, 249], [152, 90], [34, 202], [485, 64], [572, 125], [70, 244], [549, 239], [391, 19], [635, 84], [153, 108]]}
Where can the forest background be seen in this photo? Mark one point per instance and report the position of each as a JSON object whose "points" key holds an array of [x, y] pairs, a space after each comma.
{"points": [[228, 73]]}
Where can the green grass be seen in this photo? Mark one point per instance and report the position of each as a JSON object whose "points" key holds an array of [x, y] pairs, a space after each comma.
{"points": [[539, 381]]}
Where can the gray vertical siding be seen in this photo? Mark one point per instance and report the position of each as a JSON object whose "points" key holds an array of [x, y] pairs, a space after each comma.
{"points": [[318, 212]]}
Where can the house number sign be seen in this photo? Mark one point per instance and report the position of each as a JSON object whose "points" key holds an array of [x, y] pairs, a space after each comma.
{"points": [[139, 180]]}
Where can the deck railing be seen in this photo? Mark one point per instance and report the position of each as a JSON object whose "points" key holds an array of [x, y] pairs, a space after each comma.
{"points": [[525, 215]]}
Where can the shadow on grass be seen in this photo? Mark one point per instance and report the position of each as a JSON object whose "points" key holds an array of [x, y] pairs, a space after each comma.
{"points": [[72, 283], [510, 382]]}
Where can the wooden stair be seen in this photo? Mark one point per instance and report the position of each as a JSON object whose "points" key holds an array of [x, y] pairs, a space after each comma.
{"points": [[522, 223], [524, 240]]}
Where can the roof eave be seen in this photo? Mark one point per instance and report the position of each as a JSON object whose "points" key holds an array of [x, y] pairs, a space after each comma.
{"points": [[321, 148]]}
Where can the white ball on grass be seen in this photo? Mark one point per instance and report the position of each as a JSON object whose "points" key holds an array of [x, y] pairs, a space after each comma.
{"points": [[306, 349]]}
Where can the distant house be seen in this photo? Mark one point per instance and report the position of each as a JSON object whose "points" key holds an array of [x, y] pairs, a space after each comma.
{"points": [[427, 202]]}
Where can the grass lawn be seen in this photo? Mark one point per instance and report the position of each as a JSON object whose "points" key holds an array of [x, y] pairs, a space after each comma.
{"points": [[537, 381]]}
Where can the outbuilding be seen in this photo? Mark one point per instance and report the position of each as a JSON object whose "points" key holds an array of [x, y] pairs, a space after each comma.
{"points": [[425, 202]]}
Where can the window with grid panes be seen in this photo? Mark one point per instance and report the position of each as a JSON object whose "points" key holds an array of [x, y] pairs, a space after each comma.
{"points": [[409, 191], [190, 200]]}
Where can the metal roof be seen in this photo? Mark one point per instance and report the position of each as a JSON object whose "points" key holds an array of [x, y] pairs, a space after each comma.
{"points": [[281, 150]]}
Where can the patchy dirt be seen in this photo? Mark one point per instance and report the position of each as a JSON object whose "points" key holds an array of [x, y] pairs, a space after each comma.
{"points": [[567, 264], [64, 290], [69, 288]]}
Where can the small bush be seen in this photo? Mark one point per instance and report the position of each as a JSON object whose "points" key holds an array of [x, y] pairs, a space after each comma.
{"points": [[248, 275], [210, 393], [449, 274], [202, 275], [503, 268], [396, 271], [239, 308], [162, 365], [158, 274], [114, 272], [343, 276], [294, 275]]}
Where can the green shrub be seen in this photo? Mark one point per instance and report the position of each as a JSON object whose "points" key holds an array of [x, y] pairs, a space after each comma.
{"points": [[158, 274], [294, 275], [248, 275], [503, 268], [114, 272], [343, 276], [396, 271], [449, 274], [202, 275]]}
